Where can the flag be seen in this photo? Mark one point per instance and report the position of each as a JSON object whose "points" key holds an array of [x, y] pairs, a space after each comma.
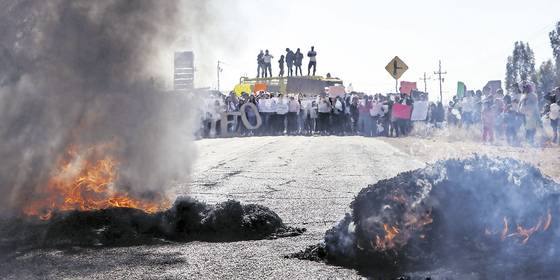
{"points": [[461, 89]]}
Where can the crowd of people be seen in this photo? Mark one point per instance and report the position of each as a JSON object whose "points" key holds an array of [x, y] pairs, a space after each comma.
{"points": [[511, 117], [504, 116], [291, 60], [348, 114]]}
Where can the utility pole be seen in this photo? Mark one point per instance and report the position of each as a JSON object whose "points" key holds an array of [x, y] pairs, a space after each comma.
{"points": [[425, 79], [219, 70], [440, 73]]}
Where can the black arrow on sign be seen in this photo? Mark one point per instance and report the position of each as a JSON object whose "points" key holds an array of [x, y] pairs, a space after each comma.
{"points": [[395, 67]]}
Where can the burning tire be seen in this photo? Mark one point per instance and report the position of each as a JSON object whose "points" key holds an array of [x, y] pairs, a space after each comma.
{"points": [[473, 215], [187, 220]]}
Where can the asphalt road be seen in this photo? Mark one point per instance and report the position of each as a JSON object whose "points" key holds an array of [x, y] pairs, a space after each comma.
{"points": [[308, 181]]}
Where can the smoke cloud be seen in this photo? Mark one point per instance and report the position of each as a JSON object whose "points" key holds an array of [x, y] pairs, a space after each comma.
{"points": [[82, 73]]}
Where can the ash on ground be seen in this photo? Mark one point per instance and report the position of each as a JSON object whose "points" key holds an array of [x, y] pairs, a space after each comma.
{"points": [[188, 220], [480, 217]]}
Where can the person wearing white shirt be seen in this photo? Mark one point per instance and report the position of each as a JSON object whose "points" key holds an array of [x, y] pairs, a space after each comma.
{"points": [[267, 64], [265, 109], [375, 112], [338, 115], [467, 106], [293, 110], [280, 117], [324, 107]]}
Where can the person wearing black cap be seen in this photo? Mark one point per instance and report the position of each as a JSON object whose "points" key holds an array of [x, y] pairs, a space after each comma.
{"points": [[312, 54]]}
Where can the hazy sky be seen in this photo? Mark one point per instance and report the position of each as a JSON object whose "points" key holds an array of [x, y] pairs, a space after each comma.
{"points": [[355, 39]]}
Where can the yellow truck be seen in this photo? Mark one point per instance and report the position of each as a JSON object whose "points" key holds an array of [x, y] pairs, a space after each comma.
{"points": [[306, 85]]}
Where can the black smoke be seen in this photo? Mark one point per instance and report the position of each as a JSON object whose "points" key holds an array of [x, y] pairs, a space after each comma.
{"points": [[467, 202], [85, 73]]}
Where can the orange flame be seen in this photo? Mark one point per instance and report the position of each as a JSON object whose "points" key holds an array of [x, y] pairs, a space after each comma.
{"points": [[413, 222], [85, 181], [522, 233], [387, 242], [505, 230]]}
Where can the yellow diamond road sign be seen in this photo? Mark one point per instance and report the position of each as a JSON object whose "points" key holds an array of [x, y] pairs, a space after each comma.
{"points": [[396, 68]]}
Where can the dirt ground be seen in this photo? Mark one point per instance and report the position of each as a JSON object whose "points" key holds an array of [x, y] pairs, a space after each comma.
{"points": [[436, 148]]}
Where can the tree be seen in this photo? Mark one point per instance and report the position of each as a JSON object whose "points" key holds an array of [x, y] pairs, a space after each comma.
{"points": [[510, 75], [546, 78], [554, 36], [520, 66]]}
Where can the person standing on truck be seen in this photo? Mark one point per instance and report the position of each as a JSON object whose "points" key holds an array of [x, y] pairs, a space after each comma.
{"points": [[290, 61], [298, 59], [312, 54], [260, 64], [267, 64], [281, 66]]}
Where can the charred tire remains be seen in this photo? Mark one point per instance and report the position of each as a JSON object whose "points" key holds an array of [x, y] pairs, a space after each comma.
{"points": [[492, 216], [187, 220]]}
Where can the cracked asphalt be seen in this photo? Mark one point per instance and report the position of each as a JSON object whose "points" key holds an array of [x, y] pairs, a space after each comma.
{"points": [[308, 181]]}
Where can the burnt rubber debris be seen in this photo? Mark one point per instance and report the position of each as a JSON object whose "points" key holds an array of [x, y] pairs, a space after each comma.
{"points": [[188, 220], [491, 216]]}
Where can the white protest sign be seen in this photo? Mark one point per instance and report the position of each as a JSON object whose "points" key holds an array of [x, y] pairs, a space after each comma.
{"points": [[335, 91], [282, 108], [419, 111]]}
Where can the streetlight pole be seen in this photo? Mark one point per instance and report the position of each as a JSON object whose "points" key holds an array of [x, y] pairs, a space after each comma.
{"points": [[218, 70]]}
